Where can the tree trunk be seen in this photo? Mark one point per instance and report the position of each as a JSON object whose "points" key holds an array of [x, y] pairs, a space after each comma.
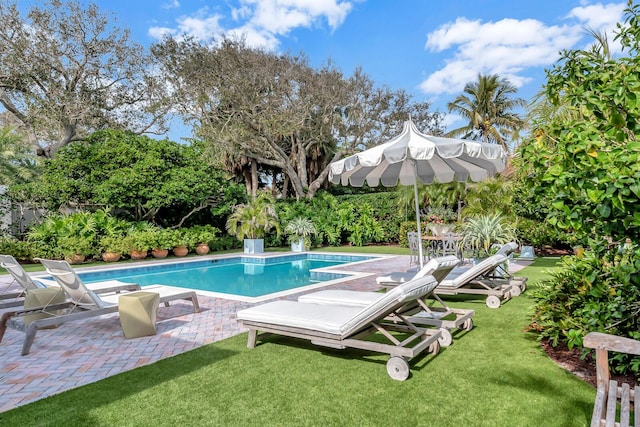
{"points": [[254, 178]]}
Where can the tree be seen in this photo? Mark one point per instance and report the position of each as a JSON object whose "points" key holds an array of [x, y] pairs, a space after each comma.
{"points": [[66, 71], [583, 169], [158, 181], [262, 111], [487, 105]]}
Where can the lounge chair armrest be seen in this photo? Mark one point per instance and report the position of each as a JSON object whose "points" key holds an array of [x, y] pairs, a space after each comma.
{"points": [[599, 340]]}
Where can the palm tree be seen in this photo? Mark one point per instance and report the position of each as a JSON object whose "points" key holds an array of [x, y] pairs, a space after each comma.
{"points": [[254, 219], [488, 106]]}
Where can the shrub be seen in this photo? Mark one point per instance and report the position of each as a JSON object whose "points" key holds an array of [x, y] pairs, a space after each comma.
{"points": [[599, 292], [21, 250]]}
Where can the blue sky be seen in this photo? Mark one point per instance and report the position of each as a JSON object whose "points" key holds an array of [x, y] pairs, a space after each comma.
{"points": [[429, 48]]}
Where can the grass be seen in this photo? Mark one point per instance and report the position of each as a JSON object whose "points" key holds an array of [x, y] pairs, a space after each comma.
{"points": [[494, 375]]}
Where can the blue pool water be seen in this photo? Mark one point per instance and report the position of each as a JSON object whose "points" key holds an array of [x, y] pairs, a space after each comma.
{"points": [[244, 276]]}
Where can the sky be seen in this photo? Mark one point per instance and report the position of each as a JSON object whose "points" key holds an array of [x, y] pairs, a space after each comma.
{"points": [[429, 48]]}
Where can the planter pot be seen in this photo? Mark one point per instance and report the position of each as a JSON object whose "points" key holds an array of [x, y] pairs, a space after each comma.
{"points": [[253, 246], [180, 251], [110, 256], [160, 253], [202, 249], [75, 259], [297, 245], [138, 254]]}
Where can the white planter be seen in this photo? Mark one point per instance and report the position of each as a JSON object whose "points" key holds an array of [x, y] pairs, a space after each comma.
{"points": [[253, 246], [297, 245]]}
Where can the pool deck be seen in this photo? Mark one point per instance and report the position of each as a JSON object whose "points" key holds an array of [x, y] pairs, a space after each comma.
{"points": [[83, 352]]}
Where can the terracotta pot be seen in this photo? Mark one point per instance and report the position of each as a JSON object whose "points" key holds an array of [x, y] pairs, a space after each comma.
{"points": [[110, 256], [75, 259], [202, 249], [160, 253], [138, 254], [180, 251]]}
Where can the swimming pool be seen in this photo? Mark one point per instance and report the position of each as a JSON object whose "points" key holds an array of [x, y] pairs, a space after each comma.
{"points": [[240, 277]]}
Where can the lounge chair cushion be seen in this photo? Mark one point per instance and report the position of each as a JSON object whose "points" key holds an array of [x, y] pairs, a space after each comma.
{"points": [[348, 298], [338, 320]]}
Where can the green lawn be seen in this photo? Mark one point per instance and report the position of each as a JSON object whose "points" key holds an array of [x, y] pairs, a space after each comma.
{"points": [[494, 375]]}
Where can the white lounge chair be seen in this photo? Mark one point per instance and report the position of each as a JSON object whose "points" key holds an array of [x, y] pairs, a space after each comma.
{"points": [[340, 326], [440, 316], [26, 282], [474, 281], [82, 303]]}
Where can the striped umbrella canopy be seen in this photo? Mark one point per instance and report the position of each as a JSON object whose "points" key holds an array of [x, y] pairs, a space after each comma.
{"points": [[413, 157]]}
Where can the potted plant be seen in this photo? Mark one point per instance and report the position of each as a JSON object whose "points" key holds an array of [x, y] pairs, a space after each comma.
{"points": [[162, 240], [300, 229], [74, 248], [113, 246], [484, 233], [180, 242], [138, 243], [249, 222], [202, 235]]}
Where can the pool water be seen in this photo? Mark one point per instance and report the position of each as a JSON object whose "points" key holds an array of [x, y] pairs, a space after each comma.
{"points": [[243, 276]]}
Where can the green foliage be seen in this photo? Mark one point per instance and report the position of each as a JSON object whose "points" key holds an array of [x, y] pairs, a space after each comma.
{"points": [[494, 195], [300, 228], [583, 170], [483, 232], [599, 292], [200, 234], [252, 220], [158, 181], [21, 250]]}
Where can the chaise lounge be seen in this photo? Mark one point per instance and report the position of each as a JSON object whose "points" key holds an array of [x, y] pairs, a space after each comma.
{"points": [[473, 281], [82, 303], [26, 282], [440, 316], [340, 327]]}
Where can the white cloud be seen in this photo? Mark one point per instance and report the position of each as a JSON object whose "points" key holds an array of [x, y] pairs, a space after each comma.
{"points": [[172, 4], [599, 17], [509, 47], [505, 47], [261, 22]]}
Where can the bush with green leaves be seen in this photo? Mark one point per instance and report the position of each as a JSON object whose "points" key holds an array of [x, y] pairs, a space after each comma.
{"points": [[21, 250], [598, 292]]}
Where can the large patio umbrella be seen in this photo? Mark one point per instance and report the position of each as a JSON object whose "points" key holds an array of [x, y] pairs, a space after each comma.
{"points": [[413, 156]]}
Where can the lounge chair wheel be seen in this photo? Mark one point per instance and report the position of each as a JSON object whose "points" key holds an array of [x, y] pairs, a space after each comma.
{"points": [[515, 291], [523, 287], [434, 347], [467, 325], [398, 368], [493, 301], [446, 339]]}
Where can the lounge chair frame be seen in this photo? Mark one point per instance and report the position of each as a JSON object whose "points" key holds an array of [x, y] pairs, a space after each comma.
{"points": [[82, 304], [613, 399]]}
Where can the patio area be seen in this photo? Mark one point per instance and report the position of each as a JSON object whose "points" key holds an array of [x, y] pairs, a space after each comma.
{"points": [[83, 352]]}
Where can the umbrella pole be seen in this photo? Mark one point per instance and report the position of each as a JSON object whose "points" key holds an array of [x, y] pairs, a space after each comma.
{"points": [[415, 198]]}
